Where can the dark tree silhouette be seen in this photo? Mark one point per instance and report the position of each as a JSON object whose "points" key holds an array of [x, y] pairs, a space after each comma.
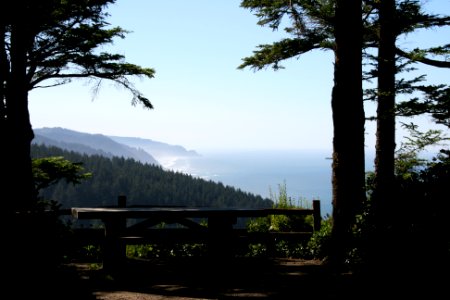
{"points": [[47, 43]]}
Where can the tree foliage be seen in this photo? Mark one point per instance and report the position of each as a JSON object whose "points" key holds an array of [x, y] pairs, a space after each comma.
{"points": [[65, 38], [314, 25], [47, 43], [309, 25], [48, 171]]}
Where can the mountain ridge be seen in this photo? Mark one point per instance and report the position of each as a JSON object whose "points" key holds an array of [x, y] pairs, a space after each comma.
{"points": [[142, 150]]}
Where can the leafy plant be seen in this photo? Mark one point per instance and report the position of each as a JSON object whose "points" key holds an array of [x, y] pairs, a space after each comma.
{"points": [[48, 171], [282, 223], [163, 251], [415, 226], [46, 222], [318, 246]]}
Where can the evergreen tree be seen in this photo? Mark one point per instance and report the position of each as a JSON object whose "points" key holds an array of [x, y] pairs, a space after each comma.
{"points": [[348, 120], [47, 43], [388, 197], [313, 26], [385, 133], [394, 20], [336, 26]]}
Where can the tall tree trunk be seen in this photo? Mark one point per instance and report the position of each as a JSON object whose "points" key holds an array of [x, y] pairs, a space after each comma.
{"points": [[4, 74], [19, 178], [17, 183], [385, 134], [384, 199], [348, 169]]}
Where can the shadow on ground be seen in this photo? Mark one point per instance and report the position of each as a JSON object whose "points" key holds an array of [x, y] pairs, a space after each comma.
{"points": [[237, 278], [225, 279]]}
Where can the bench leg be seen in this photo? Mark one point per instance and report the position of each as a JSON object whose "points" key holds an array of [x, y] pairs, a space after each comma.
{"points": [[221, 238], [114, 252]]}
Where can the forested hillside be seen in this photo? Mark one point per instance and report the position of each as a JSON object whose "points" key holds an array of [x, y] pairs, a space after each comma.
{"points": [[143, 184]]}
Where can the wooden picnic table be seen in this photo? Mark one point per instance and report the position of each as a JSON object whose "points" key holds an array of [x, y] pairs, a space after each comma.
{"points": [[219, 229]]}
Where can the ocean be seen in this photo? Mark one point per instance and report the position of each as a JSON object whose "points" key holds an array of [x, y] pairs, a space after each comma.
{"points": [[306, 174]]}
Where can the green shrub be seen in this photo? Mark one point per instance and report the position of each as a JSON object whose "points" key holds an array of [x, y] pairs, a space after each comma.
{"points": [[163, 251], [282, 223], [319, 244]]}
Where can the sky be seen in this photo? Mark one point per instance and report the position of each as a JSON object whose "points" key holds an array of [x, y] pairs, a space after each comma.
{"points": [[201, 100]]}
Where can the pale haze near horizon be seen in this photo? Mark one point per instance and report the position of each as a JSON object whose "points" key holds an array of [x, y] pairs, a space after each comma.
{"points": [[202, 101]]}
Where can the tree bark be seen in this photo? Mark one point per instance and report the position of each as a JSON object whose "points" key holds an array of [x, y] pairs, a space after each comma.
{"points": [[386, 239], [385, 133], [19, 134], [348, 168]]}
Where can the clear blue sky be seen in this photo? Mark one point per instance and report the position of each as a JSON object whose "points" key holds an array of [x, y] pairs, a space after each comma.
{"points": [[202, 101]]}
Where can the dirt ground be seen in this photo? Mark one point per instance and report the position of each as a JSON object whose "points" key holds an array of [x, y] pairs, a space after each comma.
{"points": [[193, 278], [204, 279]]}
